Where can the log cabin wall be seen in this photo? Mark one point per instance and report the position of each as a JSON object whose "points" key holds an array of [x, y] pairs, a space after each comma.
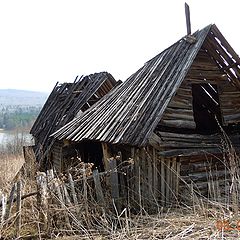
{"points": [[207, 175], [166, 181], [179, 113]]}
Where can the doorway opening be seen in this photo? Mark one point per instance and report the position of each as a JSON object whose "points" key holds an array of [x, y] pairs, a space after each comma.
{"points": [[206, 108]]}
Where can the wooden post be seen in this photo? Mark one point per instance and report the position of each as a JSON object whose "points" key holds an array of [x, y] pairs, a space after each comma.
{"points": [[106, 157], [139, 190], [98, 187], [11, 197], [122, 177], [155, 174], [85, 193], [163, 182], [137, 169], [114, 178], [168, 178], [193, 197], [50, 179], [67, 198], [174, 177], [143, 176], [73, 192], [149, 161], [4, 205], [18, 209], [178, 178], [43, 198]]}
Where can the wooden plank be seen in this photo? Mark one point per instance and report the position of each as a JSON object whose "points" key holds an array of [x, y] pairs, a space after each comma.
{"points": [[66, 195], [150, 175], [155, 174], [85, 191], [98, 188], [43, 199], [178, 167], [174, 176], [144, 176], [4, 207], [73, 191], [114, 178], [125, 178], [168, 181], [137, 173], [163, 181]]}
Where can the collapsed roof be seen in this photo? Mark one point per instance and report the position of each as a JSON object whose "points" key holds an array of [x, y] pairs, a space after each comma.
{"points": [[130, 113], [65, 102]]}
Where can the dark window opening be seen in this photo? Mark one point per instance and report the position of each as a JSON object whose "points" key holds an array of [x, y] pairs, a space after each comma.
{"points": [[87, 152], [91, 152], [206, 108]]}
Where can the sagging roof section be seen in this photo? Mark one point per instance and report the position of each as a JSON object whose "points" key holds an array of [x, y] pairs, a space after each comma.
{"points": [[130, 113], [65, 102]]}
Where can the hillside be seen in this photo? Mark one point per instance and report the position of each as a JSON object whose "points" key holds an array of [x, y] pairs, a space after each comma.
{"points": [[22, 97]]}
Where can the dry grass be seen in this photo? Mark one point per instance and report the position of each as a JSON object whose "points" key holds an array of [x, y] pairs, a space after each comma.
{"points": [[195, 220], [176, 224], [10, 166]]}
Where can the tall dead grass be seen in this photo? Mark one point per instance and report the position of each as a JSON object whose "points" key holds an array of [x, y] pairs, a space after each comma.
{"points": [[10, 167], [196, 218]]}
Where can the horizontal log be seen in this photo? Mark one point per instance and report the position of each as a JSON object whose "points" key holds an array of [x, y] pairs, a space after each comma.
{"points": [[177, 104], [176, 145], [179, 111], [233, 117], [178, 123], [178, 116], [189, 152], [190, 136]]}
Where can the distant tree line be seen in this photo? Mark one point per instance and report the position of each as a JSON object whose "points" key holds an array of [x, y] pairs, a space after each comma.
{"points": [[14, 117]]}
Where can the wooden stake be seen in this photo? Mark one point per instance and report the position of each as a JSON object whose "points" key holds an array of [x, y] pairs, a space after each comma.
{"points": [[85, 193], [4, 205], [11, 198], [43, 198], [155, 175], [98, 187], [18, 218], [74, 195], [114, 178], [168, 180], [163, 182]]}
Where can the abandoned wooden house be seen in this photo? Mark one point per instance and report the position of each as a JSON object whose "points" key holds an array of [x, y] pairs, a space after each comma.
{"points": [[164, 124], [65, 102]]}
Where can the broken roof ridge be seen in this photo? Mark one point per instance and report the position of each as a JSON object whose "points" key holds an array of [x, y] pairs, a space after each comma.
{"points": [[181, 39]]}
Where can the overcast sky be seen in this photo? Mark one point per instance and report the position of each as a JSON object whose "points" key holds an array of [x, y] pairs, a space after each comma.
{"points": [[46, 41]]}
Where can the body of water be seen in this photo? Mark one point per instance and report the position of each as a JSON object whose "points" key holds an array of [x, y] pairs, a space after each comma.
{"points": [[12, 137]]}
